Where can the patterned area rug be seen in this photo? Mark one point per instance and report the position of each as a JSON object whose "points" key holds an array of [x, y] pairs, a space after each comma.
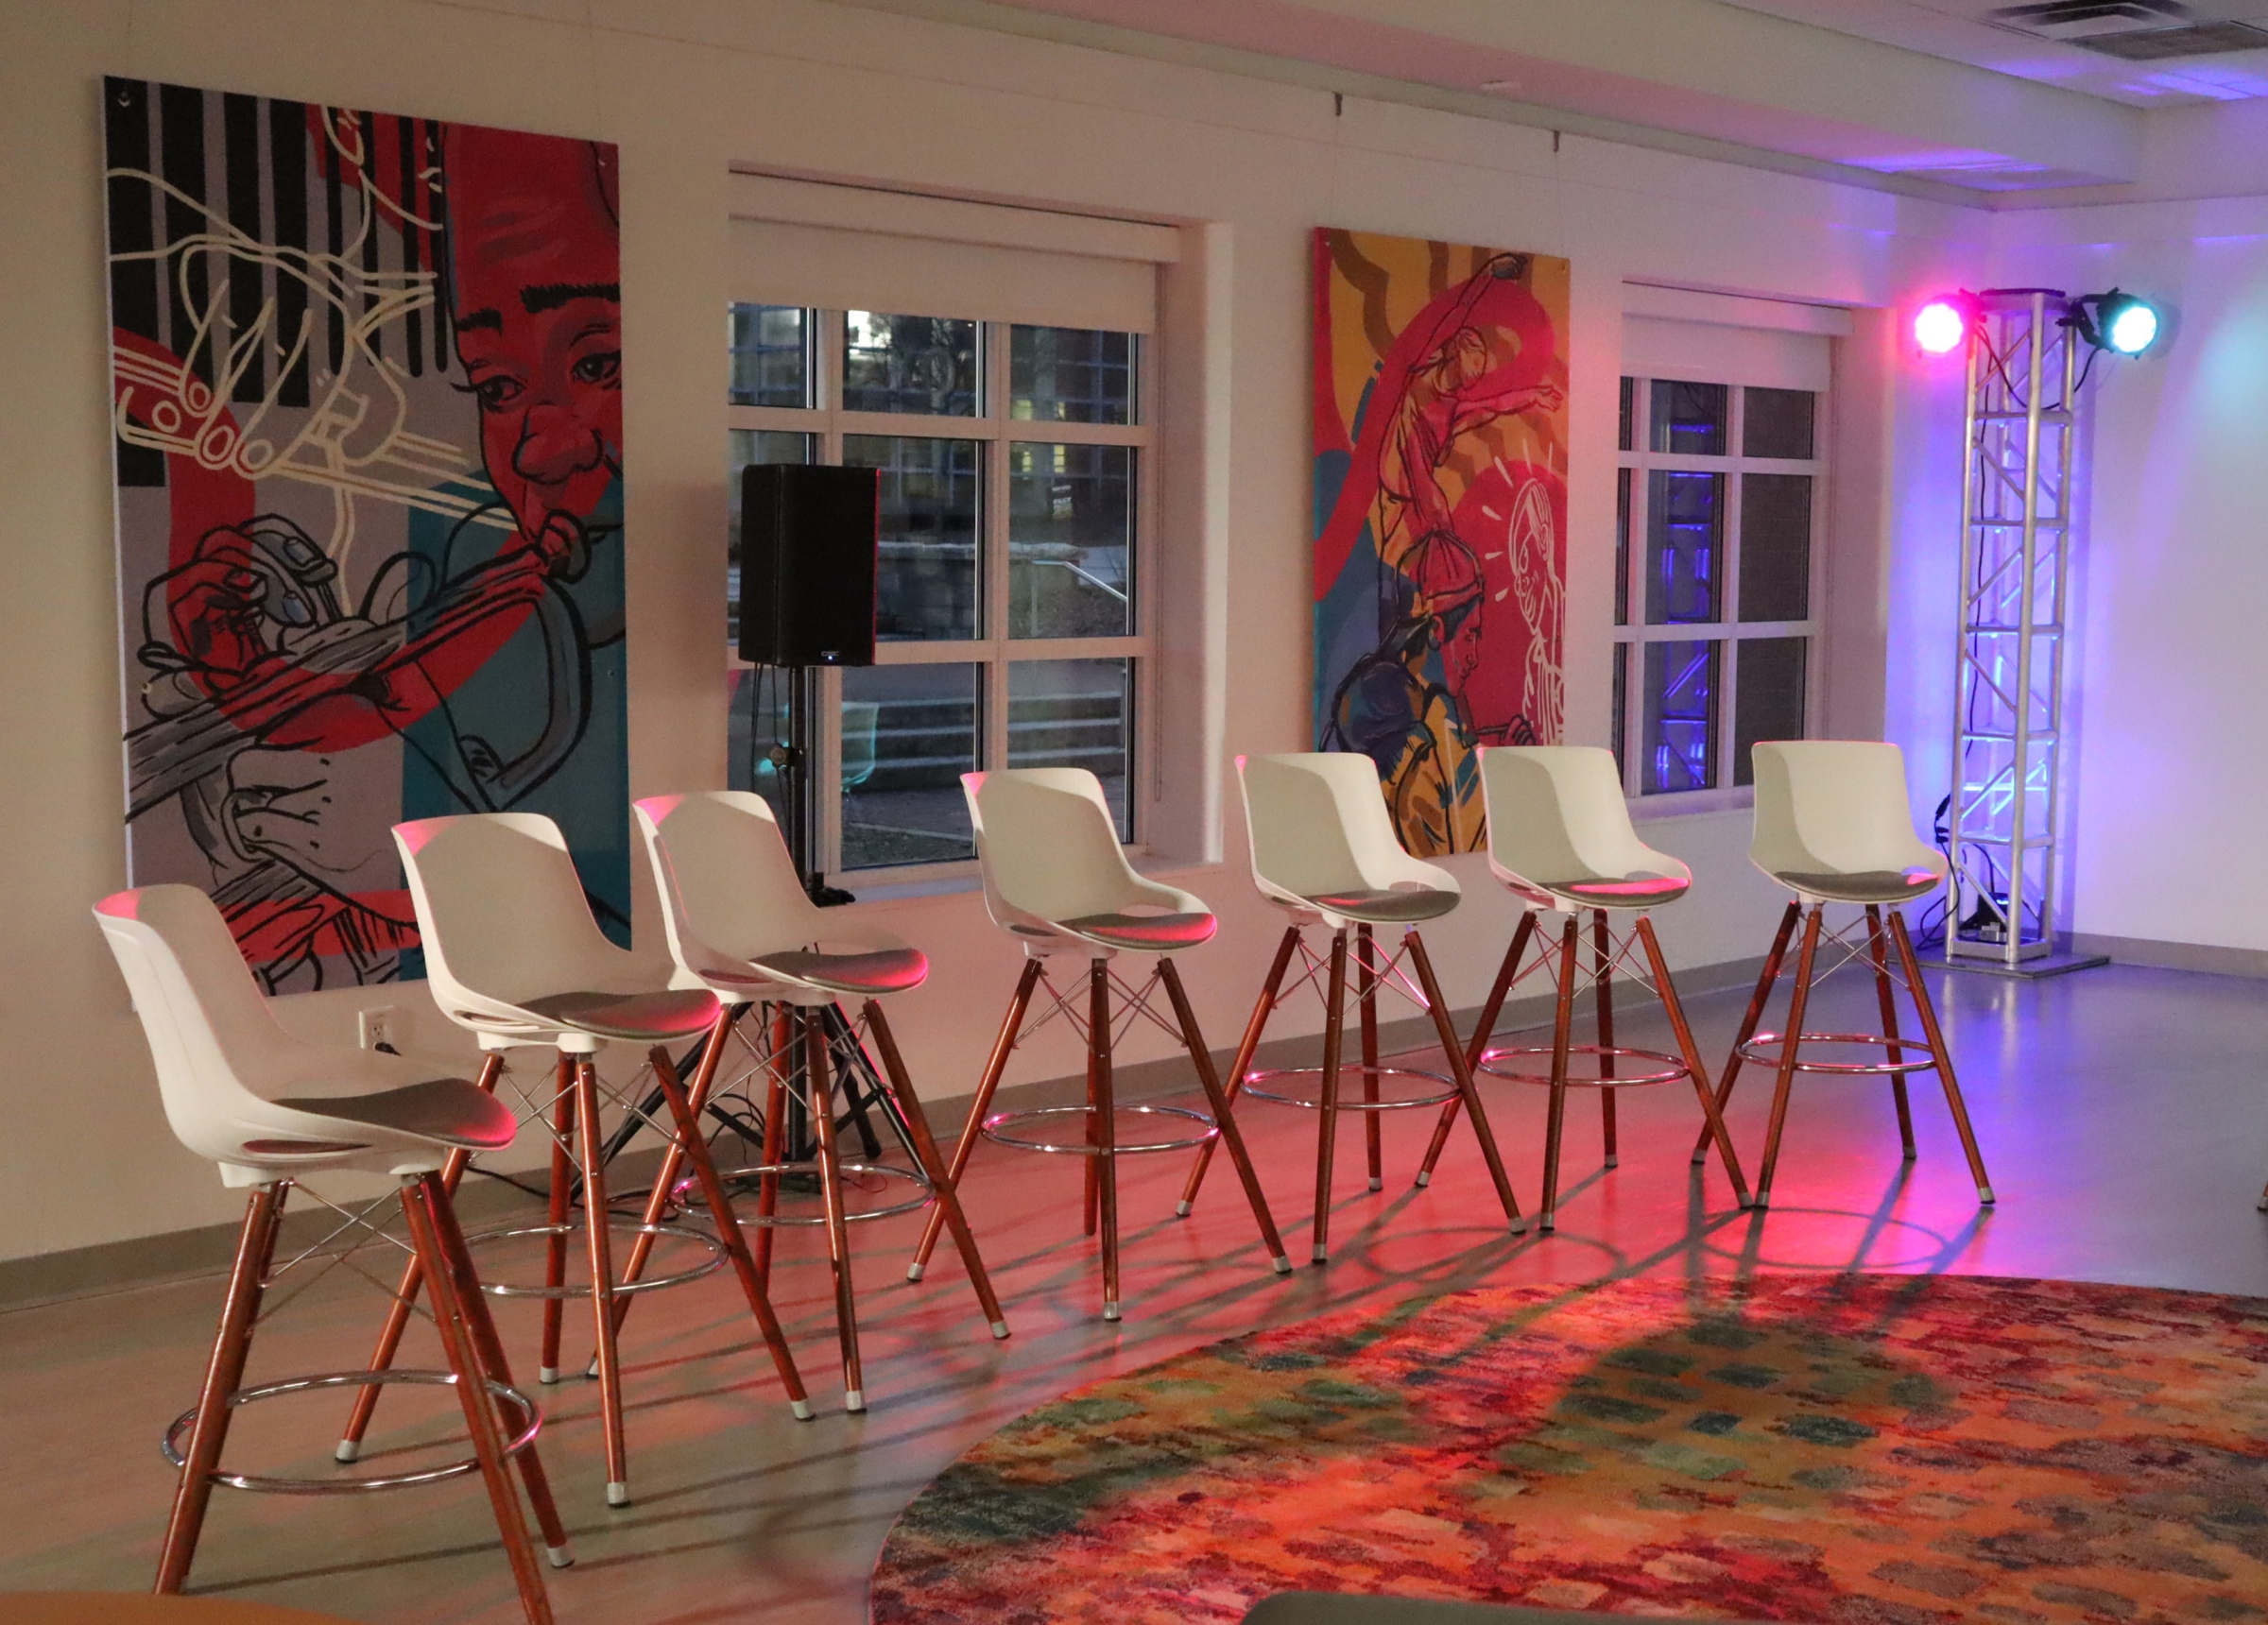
{"points": [[1854, 1448]]}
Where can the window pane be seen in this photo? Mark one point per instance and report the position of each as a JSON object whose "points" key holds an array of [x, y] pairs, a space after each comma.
{"points": [[1622, 709], [757, 722], [926, 579], [1077, 714], [743, 447], [909, 364], [771, 355], [1070, 375], [1629, 410], [1776, 422], [1070, 540], [910, 732], [1769, 702], [1685, 530], [1776, 547], [1689, 417], [1622, 546], [1680, 746]]}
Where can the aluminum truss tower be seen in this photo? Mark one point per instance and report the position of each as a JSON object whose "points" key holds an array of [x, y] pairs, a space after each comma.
{"points": [[2016, 542]]}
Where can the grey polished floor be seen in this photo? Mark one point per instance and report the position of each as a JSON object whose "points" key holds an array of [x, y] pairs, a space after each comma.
{"points": [[2122, 1111]]}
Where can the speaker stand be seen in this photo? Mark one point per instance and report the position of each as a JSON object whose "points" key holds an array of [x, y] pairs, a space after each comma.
{"points": [[793, 761]]}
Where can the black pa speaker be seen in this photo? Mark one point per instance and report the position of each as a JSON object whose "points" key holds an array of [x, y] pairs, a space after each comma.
{"points": [[807, 554]]}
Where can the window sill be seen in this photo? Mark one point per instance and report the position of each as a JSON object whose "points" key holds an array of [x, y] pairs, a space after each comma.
{"points": [[1691, 803]]}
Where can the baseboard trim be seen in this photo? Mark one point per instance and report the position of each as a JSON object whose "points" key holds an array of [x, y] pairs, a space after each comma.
{"points": [[2198, 956], [206, 1250], [209, 1249]]}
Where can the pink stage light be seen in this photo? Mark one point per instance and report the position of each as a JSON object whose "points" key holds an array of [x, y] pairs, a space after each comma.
{"points": [[1941, 327]]}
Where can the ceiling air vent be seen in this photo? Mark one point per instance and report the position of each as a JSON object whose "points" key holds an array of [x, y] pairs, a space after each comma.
{"points": [[2134, 30]]}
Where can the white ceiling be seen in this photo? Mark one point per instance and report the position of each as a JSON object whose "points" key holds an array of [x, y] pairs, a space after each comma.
{"points": [[1938, 97], [1964, 31]]}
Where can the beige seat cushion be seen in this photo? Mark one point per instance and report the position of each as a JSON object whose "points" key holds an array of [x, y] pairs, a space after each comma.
{"points": [[881, 970], [1402, 905], [1145, 934], [646, 1017], [1865, 886]]}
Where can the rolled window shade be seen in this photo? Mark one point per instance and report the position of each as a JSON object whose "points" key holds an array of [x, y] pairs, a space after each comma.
{"points": [[1775, 358], [777, 262]]}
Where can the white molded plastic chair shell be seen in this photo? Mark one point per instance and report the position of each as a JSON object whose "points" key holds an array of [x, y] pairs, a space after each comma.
{"points": [[1826, 808], [241, 1091], [503, 917], [1559, 831], [1319, 828], [730, 895], [1048, 847]]}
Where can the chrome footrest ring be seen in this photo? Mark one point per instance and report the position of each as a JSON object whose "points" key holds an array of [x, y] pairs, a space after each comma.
{"points": [[531, 1423], [716, 1260], [686, 1193], [1668, 1070], [1764, 1051], [1443, 1091], [993, 1125]]}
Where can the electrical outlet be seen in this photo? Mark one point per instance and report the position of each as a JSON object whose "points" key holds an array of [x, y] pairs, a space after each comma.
{"points": [[381, 1027]]}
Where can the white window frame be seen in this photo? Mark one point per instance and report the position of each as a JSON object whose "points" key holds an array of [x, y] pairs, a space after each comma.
{"points": [[995, 650], [1630, 639]]}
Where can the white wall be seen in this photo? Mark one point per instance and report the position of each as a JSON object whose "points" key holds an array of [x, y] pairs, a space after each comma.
{"points": [[2169, 776], [688, 89]]}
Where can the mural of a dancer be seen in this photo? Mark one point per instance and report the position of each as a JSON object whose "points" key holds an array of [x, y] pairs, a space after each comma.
{"points": [[367, 388], [1440, 458]]}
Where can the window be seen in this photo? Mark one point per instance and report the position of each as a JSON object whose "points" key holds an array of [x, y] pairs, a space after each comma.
{"points": [[1013, 463], [1716, 512]]}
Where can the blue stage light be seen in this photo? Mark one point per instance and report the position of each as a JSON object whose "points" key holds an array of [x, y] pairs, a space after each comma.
{"points": [[2131, 329]]}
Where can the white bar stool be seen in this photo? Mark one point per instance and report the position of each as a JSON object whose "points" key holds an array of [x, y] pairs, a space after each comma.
{"points": [[741, 927], [512, 954], [1057, 882], [1560, 839], [270, 1109], [1324, 850], [1833, 825]]}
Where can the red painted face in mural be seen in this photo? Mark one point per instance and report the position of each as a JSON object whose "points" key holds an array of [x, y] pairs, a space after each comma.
{"points": [[537, 302]]}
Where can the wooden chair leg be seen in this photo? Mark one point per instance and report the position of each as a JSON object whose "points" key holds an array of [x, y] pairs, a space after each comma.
{"points": [[1326, 1115], [420, 1197], [1938, 1054], [1562, 1034], [1475, 1053], [1602, 991], [405, 1294], [1437, 1007], [1790, 1041], [599, 1242], [1749, 1023], [933, 1165], [1243, 1063], [734, 1239], [995, 1065], [556, 1214], [767, 1183], [1224, 1114], [1091, 1175], [831, 1207], [1888, 1005], [1366, 1001], [1104, 1118], [224, 1374], [1712, 1120], [673, 1160], [490, 1347]]}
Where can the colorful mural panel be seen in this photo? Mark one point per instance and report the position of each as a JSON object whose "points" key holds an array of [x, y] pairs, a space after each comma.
{"points": [[367, 387], [1440, 468]]}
